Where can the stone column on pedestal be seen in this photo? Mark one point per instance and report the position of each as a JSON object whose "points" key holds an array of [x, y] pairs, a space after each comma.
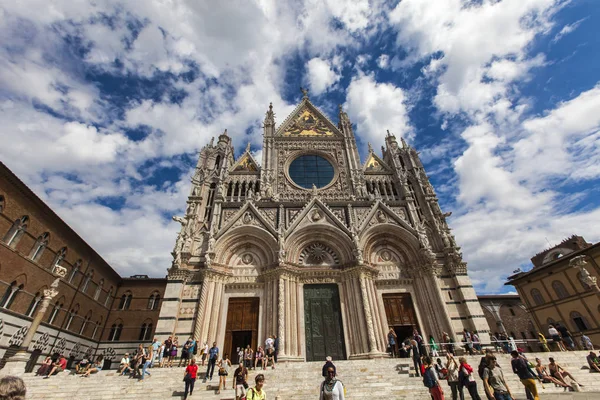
{"points": [[15, 365], [368, 316]]}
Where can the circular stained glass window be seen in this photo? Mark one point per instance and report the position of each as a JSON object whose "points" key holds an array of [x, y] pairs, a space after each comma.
{"points": [[311, 169]]}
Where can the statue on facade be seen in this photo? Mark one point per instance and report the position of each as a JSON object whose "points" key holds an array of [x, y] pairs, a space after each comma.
{"points": [[357, 250], [585, 277]]}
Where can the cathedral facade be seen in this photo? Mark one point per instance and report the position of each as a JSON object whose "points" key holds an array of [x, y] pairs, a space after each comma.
{"points": [[315, 247]]}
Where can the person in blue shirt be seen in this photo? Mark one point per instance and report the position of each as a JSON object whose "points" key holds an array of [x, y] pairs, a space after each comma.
{"points": [[213, 355]]}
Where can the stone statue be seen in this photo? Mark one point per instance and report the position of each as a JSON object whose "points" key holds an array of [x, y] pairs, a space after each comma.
{"points": [[250, 194], [423, 238], [211, 244], [269, 186], [314, 190]]}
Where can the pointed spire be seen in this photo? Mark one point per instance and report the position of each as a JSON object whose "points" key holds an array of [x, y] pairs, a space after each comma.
{"points": [[370, 147], [248, 148], [270, 116], [212, 141], [304, 93], [225, 132], [404, 145]]}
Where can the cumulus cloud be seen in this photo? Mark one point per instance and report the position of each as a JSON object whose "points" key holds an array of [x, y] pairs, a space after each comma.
{"points": [[321, 75], [376, 107]]}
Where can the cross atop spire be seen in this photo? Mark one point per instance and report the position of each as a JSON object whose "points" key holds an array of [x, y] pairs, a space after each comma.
{"points": [[304, 93], [248, 147]]}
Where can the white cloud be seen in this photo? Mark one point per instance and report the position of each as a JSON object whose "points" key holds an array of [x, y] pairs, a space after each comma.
{"points": [[383, 61], [321, 75], [376, 107], [567, 29]]}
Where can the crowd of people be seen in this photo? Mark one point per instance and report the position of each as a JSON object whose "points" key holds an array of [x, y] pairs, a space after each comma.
{"points": [[460, 376]]}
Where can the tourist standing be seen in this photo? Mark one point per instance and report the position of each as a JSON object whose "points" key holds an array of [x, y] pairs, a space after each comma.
{"points": [[466, 379], [173, 353], [189, 377], [520, 367], [448, 343], [566, 336], [393, 342], [213, 355], [248, 357], [493, 381], [166, 352], [452, 367], [586, 342], [331, 388], [543, 342], [204, 352], [224, 366], [186, 352], [553, 332], [240, 378], [416, 357], [476, 342], [155, 352], [430, 380], [275, 347], [257, 392], [433, 347]]}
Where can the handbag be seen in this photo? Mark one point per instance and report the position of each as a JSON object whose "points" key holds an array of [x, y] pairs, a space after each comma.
{"points": [[187, 377]]}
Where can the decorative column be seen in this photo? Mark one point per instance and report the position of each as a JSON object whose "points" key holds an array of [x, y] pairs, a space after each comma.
{"points": [[17, 363], [198, 334], [368, 316], [585, 277], [281, 317]]}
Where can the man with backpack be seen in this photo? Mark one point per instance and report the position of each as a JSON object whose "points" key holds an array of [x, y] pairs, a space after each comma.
{"points": [[430, 380]]}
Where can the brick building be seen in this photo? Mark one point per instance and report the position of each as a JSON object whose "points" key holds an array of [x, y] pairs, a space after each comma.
{"points": [[555, 291], [507, 313], [96, 310]]}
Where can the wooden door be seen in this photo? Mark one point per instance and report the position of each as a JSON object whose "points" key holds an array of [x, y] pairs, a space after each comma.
{"points": [[399, 309], [242, 315], [323, 323]]}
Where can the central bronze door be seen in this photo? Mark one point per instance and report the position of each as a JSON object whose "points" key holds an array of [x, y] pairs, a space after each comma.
{"points": [[323, 323]]}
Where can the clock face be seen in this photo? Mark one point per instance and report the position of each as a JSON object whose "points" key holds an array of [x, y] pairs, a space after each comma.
{"points": [[310, 169]]}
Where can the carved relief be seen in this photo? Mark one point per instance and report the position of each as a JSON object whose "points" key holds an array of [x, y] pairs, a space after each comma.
{"points": [[18, 337]]}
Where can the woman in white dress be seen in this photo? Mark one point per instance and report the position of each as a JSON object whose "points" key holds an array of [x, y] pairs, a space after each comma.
{"points": [[331, 388]]}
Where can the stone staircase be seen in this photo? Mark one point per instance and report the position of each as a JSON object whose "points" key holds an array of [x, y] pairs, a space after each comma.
{"points": [[384, 379]]}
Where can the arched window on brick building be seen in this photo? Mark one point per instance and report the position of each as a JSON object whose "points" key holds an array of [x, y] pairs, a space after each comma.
{"points": [[85, 322], [60, 256], [71, 317], [537, 297], [146, 330], [115, 331], [108, 296], [55, 310], [10, 294], [35, 302], [560, 289], [86, 283], [97, 326], [75, 270], [125, 301], [153, 301], [99, 289], [16, 231], [579, 321], [40, 245]]}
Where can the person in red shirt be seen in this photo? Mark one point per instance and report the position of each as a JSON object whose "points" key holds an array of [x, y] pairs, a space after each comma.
{"points": [[191, 373], [58, 366]]}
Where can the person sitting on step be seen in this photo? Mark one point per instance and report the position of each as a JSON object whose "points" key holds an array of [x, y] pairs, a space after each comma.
{"points": [[95, 367], [542, 372], [557, 371], [593, 361], [58, 366]]}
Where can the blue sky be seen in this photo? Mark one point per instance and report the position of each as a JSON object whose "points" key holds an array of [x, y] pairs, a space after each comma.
{"points": [[104, 106]]}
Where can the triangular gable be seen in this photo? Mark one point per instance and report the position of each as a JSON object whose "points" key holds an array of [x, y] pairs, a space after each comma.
{"points": [[375, 165], [307, 120], [316, 212], [382, 214], [245, 163], [247, 215]]}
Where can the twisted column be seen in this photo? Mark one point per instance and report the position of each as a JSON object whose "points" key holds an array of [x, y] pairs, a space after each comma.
{"points": [[281, 317], [368, 316], [201, 310]]}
